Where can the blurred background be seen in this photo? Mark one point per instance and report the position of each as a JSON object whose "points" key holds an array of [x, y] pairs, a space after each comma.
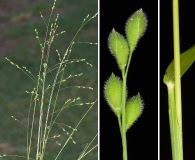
{"points": [[18, 19], [187, 34]]}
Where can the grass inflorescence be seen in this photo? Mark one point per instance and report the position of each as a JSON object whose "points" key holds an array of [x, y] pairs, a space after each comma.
{"points": [[50, 97], [127, 110]]}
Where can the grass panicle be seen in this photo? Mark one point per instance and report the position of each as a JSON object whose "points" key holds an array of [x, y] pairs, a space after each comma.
{"points": [[51, 83], [115, 90]]}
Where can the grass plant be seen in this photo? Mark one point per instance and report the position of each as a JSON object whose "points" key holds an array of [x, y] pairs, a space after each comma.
{"points": [[172, 79], [50, 100]]}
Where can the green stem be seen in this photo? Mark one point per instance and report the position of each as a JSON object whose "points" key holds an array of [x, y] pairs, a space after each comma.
{"points": [[123, 124], [176, 41], [128, 64], [119, 123], [175, 110], [176, 131], [123, 133]]}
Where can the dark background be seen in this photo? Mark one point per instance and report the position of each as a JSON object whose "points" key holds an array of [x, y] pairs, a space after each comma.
{"points": [[187, 39], [143, 77]]}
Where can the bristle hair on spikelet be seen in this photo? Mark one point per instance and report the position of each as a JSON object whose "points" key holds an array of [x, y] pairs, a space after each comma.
{"points": [[118, 47], [133, 33], [134, 109], [113, 93]]}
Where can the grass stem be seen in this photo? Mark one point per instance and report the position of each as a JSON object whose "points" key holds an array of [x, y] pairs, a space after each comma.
{"points": [[123, 132], [175, 110], [176, 41], [176, 134]]}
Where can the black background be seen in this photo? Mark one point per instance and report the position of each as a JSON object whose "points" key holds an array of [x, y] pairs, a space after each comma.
{"points": [[143, 77], [187, 37]]}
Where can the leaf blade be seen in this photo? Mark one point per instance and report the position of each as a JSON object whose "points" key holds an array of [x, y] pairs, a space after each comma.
{"points": [[186, 60]]}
